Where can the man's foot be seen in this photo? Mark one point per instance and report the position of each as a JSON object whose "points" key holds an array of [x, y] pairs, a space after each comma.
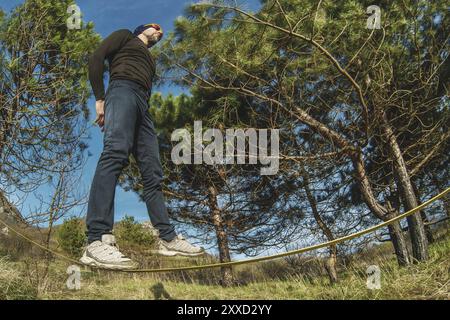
{"points": [[178, 246], [105, 254]]}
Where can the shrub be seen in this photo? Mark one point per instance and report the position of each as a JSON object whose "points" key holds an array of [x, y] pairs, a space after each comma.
{"points": [[130, 232], [71, 236]]}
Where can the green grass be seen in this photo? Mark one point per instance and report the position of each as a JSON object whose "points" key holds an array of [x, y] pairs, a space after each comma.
{"points": [[429, 280]]}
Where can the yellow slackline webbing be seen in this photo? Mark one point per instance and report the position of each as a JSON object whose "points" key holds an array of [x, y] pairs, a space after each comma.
{"points": [[233, 263]]}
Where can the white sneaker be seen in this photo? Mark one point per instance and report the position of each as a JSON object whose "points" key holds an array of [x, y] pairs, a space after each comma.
{"points": [[106, 254], [178, 246]]}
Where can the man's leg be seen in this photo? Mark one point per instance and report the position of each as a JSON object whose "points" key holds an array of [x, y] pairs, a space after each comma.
{"points": [[121, 112], [146, 153]]}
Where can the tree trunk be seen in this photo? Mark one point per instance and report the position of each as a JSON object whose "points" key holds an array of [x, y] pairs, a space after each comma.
{"points": [[400, 244], [428, 230], [331, 265], [423, 215], [395, 231], [446, 201], [331, 262], [416, 227], [222, 239]]}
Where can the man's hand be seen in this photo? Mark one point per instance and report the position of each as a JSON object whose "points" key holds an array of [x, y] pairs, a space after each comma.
{"points": [[100, 109]]}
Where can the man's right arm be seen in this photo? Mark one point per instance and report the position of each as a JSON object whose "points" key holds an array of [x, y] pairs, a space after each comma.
{"points": [[109, 46]]}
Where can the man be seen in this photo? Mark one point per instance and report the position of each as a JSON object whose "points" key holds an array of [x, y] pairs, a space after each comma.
{"points": [[123, 116]]}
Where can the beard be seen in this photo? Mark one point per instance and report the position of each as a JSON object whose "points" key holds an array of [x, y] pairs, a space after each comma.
{"points": [[152, 41]]}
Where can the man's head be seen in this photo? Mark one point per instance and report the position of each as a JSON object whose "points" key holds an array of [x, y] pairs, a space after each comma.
{"points": [[152, 31]]}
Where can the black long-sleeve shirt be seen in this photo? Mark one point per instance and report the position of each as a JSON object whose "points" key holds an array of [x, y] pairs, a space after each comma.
{"points": [[128, 57]]}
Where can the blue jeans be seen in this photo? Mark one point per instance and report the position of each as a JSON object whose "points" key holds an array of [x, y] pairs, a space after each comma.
{"points": [[128, 129]]}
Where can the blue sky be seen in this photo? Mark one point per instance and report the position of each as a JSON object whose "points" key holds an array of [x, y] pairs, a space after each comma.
{"points": [[108, 16]]}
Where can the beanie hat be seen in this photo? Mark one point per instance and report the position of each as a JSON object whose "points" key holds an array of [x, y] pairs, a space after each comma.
{"points": [[144, 27]]}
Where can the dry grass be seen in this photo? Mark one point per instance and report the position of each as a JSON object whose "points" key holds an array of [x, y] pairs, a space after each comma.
{"points": [[428, 280], [12, 284], [271, 280]]}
